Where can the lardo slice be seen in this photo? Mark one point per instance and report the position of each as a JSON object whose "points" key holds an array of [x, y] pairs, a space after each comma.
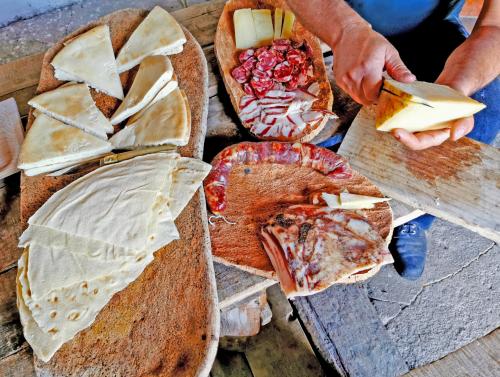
{"points": [[89, 57], [73, 105], [158, 34], [421, 106], [153, 74], [312, 247], [165, 122], [50, 141]]}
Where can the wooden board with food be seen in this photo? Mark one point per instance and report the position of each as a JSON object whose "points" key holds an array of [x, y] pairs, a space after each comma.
{"points": [[274, 73], [258, 190], [117, 257]]}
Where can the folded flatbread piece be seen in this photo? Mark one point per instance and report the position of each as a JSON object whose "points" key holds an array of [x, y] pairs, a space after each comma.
{"points": [[168, 121], [73, 105], [89, 58], [153, 74], [50, 141], [158, 34]]}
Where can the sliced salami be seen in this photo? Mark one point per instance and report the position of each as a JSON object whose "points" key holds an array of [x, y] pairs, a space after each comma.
{"points": [[240, 74]]}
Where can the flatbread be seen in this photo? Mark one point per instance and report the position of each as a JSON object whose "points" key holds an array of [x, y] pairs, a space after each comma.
{"points": [[89, 58], [50, 141], [168, 121], [165, 91], [153, 74], [73, 105], [158, 34], [89, 206]]}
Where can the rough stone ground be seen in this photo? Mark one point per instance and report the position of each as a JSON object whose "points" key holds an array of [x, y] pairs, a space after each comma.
{"points": [[455, 301]]}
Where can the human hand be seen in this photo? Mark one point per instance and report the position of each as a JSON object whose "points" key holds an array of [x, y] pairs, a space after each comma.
{"points": [[458, 128], [360, 57]]}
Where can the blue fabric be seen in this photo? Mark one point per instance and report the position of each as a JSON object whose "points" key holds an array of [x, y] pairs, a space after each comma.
{"points": [[391, 17]]}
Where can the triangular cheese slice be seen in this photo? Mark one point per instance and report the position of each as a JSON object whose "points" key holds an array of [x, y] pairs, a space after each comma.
{"points": [[165, 91], [421, 106], [73, 105], [168, 121], [89, 57], [346, 200], [158, 34], [153, 74], [50, 141]]}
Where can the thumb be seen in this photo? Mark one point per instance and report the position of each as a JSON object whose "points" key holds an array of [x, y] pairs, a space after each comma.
{"points": [[396, 68]]}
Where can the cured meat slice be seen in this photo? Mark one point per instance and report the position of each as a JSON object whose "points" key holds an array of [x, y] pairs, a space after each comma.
{"points": [[240, 74], [245, 55], [249, 153], [313, 247]]}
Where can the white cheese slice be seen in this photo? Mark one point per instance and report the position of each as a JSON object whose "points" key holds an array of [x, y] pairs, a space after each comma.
{"points": [[347, 200], [165, 122], [50, 141], [153, 74], [263, 23], [288, 21], [244, 29], [89, 57], [278, 22], [73, 105], [158, 34], [421, 106]]}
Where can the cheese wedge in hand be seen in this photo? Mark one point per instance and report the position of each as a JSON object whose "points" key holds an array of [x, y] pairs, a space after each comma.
{"points": [[347, 200], [154, 72], [73, 105], [168, 121], [421, 106], [158, 34], [89, 57], [50, 141]]}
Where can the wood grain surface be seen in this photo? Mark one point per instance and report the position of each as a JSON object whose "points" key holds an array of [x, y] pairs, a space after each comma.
{"points": [[227, 57], [173, 304], [456, 181], [257, 192], [11, 137]]}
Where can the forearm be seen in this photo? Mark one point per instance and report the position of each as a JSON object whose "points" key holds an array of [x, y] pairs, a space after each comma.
{"points": [[326, 18]]}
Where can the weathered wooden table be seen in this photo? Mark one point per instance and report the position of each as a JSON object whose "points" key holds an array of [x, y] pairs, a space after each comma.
{"points": [[330, 318]]}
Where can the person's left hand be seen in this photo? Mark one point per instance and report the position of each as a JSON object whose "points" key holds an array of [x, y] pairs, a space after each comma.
{"points": [[458, 128]]}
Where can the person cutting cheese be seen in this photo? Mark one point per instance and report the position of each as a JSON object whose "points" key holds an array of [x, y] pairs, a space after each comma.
{"points": [[410, 40]]}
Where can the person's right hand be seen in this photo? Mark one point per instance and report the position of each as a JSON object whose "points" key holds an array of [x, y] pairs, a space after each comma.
{"points": [[360, 57]]}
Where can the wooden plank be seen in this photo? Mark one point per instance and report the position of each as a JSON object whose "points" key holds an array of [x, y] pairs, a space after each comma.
{"points": [[234, 285], [21, 73], [348, 332], [230, 364], [10, 230], [479, 358], [19, 364], [458, 182], [403, 213], [282, 348], [11, 335], [11, 137]]}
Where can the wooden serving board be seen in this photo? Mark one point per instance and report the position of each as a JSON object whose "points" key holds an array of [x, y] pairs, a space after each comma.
{"points": [[256, 193], [457, 181], [166, 322], [227, 57]]}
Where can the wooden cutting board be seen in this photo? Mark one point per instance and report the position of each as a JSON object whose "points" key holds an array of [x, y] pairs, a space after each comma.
{"points": [[165, 323], [457, 181], [256, 193]]}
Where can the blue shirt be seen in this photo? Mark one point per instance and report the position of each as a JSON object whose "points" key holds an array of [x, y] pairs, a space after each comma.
{"points": [[391, 17]]}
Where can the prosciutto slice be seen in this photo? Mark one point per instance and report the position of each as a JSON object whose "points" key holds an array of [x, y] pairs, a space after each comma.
{"points": [[313, 247]]}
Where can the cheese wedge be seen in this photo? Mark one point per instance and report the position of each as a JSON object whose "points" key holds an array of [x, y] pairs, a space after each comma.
{"points": [[165, 122], [288, 21], [263, 23], [347, 200], [244, 29], [50, 141], [73, 105], [158, 34], [421, 106], [153, 74], [278, 22], [165, 91], [89, 58]]}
